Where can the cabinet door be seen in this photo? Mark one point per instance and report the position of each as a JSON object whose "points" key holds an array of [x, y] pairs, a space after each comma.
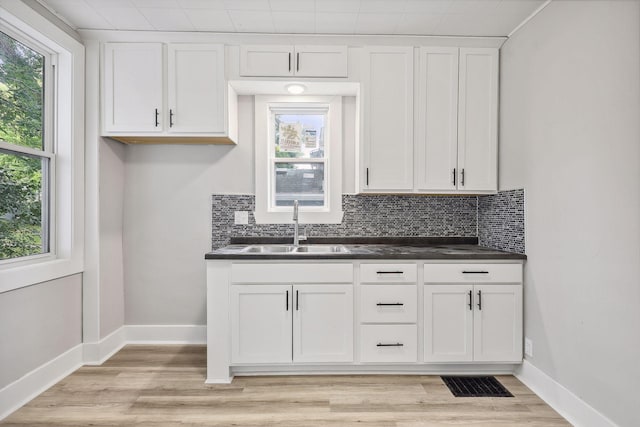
{"points": [[437, 127], [478, 120], [196, 88], [266, 61], [133, 87], [448, 323], [498, 323], [261, 323], [323, 323], [321, 61], [388, 119]]}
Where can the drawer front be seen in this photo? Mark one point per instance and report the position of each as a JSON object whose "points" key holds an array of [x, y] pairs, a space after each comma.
{"points": [[292, 273], [473, 273], [385, 273], [388, 343], [388, 303]]}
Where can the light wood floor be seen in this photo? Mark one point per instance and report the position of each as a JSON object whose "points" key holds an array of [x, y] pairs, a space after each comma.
{"points": [[164, 386]]}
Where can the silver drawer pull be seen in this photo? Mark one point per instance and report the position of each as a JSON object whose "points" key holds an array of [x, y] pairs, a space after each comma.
{"points": [[398, 344], [389, 303]]}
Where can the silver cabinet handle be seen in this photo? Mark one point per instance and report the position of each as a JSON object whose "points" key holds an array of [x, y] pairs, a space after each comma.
{"points": [[398, 344]]}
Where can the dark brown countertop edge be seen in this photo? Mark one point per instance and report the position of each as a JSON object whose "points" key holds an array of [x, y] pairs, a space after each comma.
{"points": [[379, 256]]}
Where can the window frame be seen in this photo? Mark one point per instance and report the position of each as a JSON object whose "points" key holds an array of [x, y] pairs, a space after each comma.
{"points": [[308, 109], [66, 221], [265, 109], [48, 147]]}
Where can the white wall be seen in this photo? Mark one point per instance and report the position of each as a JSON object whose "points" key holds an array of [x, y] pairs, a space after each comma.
{"points": [[167, 217], [37, 324], [570, 135], [111, 188]]}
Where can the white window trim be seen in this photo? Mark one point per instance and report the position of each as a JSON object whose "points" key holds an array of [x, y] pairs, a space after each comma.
{"points": [[332, 212], [67, 207]]}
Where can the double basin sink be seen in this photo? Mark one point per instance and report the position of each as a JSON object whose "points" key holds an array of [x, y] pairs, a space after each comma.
{"points": [[291, 249]]}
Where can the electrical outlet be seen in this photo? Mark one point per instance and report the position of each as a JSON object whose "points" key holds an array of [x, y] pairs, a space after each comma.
{"points": [[241, 217], [528, 347]]}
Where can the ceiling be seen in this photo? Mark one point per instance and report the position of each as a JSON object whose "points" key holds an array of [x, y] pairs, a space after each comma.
{"points": [[385, 17]]}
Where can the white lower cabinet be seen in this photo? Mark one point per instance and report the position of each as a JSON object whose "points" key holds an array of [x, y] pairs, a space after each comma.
{"points": [[261, 323], [304, 315], [473, 322], [388, 343], [323, 323], [291, 323]]}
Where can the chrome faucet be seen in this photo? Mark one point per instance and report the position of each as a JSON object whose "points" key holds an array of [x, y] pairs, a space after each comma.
{"points": [[296, 235]]}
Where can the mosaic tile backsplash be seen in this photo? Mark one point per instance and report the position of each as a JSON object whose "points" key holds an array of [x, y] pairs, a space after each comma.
{"points": [[497, 220], [501, 221], [364, 215]]}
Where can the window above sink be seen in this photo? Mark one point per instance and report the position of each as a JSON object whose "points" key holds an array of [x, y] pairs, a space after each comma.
{"points": [[298, 149]]}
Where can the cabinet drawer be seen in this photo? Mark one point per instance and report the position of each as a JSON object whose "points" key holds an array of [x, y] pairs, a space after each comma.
{"points": [[388, 304], [292, 273], [381, 273], [388, 343], [472, 273]]}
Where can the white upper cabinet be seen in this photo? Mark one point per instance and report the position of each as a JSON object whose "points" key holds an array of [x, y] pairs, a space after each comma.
{"points": [[133, 82], [153, 92], [300, 61], [456, 142], [196, 88], [387, 100], [437, 127], [478, 120]]}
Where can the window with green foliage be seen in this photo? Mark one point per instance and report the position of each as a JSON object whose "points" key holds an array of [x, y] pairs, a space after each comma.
{"points": [[26, 155]]}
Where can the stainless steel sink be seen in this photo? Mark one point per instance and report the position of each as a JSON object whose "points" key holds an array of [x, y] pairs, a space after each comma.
{"points": [[269, 249], [289, 249], [320, 249]]}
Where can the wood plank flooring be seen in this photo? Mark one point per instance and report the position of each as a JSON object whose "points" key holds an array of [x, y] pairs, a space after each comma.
{"points": [[164, 386]]}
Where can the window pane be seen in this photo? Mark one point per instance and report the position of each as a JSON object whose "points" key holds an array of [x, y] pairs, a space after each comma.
{"points": [[299, 181], [21, 94], [299, 136], [23, 215]]}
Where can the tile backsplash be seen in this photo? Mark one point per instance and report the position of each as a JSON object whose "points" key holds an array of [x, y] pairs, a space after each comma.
{"points": [[501, 221], [497, 220], [364, 215]]}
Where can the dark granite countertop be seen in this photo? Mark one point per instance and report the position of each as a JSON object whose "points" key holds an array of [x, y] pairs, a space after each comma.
{"points": [[415, 248]]}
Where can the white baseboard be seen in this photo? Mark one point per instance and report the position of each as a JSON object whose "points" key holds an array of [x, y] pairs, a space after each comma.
{"points": [[21, 391], [575, 410], [96, 353], [166, 334]]}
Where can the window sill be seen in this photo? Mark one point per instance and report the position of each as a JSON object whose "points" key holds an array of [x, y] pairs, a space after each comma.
{"points": [[13, 276]]}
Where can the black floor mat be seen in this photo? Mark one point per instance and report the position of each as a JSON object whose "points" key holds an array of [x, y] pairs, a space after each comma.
{"points": [[476, 387]]}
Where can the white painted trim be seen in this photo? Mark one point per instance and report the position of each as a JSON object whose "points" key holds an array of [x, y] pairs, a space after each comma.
{"points": [[374, 369], [528, 18], [166, 334], [21, 391], [575, 410], [96, 353]]}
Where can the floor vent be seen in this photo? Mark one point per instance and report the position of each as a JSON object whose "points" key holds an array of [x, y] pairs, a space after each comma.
{"points": [[476, 387]]}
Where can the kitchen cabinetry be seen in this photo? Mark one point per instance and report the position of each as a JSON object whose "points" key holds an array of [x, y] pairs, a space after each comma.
{"points": [[155, 92], [279, 316], [456, 101], [288, 61], [473, 313], [283, 323], [456, 143], [388, 313], [387, 100], [269, 323]]}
